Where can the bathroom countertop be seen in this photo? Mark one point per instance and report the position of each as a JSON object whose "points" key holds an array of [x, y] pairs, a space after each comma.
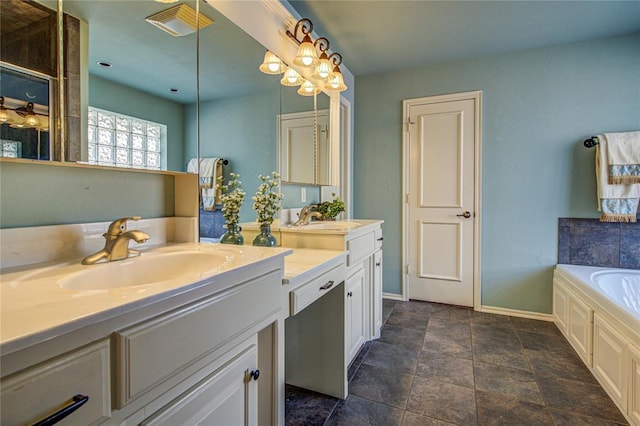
{"points": [[35, 306]]}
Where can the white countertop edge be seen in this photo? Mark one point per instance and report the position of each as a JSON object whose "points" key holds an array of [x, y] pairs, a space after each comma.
{"points": [[42, 334], [326, 259]]}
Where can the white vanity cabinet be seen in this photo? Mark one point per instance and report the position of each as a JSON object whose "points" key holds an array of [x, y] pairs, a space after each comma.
{"points": [[363, 286], [191, 356]]}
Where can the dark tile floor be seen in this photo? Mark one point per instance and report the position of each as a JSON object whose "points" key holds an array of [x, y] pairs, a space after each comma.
{"points": [[441, 365]]}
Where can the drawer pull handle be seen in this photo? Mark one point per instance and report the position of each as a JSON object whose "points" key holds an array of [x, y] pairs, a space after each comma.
{"points": [[327, 286], [76, 402], [255, 374], [377, 263], [381, 238], [350, 294]]}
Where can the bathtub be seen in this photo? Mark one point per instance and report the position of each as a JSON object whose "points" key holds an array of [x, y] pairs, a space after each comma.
{"points": [[598, 311], [616, 289]]}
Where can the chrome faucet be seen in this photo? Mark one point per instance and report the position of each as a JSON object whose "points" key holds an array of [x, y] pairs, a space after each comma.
{"points": [[306, 214], [117, 242]]}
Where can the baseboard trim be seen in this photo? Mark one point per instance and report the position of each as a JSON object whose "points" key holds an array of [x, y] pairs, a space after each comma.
{"points": [[393, 296], [515, 313]]}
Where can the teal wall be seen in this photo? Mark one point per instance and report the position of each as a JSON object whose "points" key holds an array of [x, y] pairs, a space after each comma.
{"points": [[538, 107], [114, 97], [243, 131], [44, 193]]}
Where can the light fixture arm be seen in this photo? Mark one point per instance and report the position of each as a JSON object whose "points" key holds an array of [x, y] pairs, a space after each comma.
{"points": [[336, 59], [322, 44], [306, 27]]}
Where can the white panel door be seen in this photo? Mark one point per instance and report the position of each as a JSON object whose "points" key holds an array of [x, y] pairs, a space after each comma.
{"points": [[441, 199]]}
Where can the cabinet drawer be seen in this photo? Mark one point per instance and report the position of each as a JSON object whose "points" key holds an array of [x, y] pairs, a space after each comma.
{"points": [[40, 391], [308, 293], [359, 248], [155, 350]]}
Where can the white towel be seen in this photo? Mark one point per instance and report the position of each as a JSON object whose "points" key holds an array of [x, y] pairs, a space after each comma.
{"points": [[616, 203], [623, 151], [208, 199], [209, 170]]}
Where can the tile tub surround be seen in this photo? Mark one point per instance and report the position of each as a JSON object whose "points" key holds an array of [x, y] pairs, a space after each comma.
{"points": [[460, 367], [590, 242]]}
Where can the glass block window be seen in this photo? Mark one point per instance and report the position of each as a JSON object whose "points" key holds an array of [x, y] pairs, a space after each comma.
{"points": [[10, 149], [122, 141]]}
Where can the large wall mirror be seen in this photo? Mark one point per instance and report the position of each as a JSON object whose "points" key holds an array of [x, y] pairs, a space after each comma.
{"points": [[133, 94]]}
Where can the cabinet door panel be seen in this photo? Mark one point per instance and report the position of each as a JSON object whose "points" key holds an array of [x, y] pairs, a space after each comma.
{"points": [[376, 295], [580, 318], [634, 384], [354, 313], [560, 304], [609, 360], [226, 397]]}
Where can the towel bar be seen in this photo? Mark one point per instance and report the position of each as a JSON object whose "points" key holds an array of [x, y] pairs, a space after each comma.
{"points": [[591, 142]]}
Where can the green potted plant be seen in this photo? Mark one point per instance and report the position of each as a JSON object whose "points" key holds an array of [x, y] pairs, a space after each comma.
{"points": [[232, 199], [266, 203], [331, 209]]}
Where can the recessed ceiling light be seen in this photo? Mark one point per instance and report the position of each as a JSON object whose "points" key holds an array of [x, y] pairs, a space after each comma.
{"points": [[105, 64], [174, 90]]}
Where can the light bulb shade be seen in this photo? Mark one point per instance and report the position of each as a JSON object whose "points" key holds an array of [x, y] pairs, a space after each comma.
{"points": [[291, 78], [307, 88], [271, 64], [323, 69], [335, 81], [307, 56], [31, 120]]}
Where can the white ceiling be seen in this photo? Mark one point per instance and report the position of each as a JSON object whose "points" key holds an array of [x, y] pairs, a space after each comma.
{"points": [[377, 36]]}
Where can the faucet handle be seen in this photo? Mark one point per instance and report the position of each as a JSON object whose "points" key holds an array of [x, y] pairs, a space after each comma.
{"points": [[119, 226]]}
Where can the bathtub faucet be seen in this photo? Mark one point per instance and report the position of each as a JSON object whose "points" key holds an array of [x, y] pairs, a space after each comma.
{"points": [[117, 242]]}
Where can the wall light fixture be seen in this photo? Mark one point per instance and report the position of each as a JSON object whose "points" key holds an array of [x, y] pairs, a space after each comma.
{"points": [[325, 71]]}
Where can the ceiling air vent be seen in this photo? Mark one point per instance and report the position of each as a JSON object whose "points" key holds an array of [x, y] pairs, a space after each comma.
{"points": [[178, 20]]}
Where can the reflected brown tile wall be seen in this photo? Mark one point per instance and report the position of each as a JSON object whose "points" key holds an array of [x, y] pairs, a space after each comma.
{"points": [[590, 242], [31, 46], [72, 88]]}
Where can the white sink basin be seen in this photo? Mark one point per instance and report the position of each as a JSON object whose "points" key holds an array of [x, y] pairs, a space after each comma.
{"points": [[330, 225], [143, 270]]}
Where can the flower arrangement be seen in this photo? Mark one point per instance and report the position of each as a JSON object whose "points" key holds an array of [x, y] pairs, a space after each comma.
{"points": [[266, 202], [331, 209], [232, 199]]}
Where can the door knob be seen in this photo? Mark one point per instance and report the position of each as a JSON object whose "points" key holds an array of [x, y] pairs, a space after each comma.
{"points": [[466, 215]]}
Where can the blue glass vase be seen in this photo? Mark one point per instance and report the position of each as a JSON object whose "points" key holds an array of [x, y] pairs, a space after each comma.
{"points": [[264, 238], [233, 235]]}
